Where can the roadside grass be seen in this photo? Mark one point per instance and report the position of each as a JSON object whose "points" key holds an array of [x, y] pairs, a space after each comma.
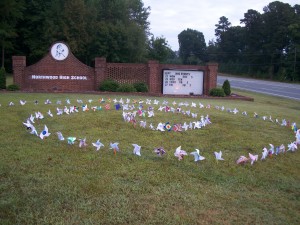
{"points": [[51, 182]]}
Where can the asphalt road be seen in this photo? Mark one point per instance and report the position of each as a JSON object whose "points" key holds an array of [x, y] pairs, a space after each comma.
{"points": [[284, 90]]}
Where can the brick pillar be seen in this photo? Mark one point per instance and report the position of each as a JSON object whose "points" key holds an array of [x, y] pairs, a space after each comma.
{"points": [[153, 76], [100, 71], [19, 64], [212, 71]]}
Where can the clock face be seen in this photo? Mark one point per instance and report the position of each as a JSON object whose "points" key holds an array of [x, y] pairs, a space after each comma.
{"points": [[59, 51]]}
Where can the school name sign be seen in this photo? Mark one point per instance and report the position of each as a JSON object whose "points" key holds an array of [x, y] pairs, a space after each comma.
{"points": [[58, 77]]}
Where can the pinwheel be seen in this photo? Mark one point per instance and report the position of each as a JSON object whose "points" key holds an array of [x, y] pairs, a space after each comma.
{"points": [[136, 149], [82, 143], [180, 153], [160, 151], [71, 140], [242, 160], [50, 114], [44, 133], [264, 153], [115, 147], [60, 136], [218, 155], [98, 145], [197, 156], [253, 158]]}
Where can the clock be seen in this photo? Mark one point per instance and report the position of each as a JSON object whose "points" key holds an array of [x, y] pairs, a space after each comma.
{"points": [[59, 51]]}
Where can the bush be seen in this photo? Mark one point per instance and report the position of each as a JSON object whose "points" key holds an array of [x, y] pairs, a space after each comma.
{"points": [[2, 78], [141, 87], [126, 88], [218, 92], [109, 85], [226, 87], [13, 87]]}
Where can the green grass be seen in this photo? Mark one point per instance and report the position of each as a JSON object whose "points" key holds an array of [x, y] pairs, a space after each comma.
{"points": [[51, 182]]}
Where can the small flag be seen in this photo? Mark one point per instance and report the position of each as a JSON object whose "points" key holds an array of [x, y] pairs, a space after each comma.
{"points": [[107, 106]]}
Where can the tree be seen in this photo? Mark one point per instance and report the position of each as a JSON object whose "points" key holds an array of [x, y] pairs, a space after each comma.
{"points": [[277, 18], [226, 87], [221, 27], [253, 38], [158, 49], [293, 53], [2, 78], [10, 14], [267, 46], [32, 39], [192, 46], [115, 29]]}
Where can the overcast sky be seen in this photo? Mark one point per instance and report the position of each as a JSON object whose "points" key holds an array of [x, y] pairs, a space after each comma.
{"points": [[170, 17]]}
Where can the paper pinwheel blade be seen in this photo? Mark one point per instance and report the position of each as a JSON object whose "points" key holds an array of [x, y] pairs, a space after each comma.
{"points": [[253, 158], [197, 156], [115, 147], [180, 153], [60, 136], [82, 143], [44, 133], [98, 145], [264, 154], [136, 149], [242, 160], [71, 140], [160, 151], [218, 155]]}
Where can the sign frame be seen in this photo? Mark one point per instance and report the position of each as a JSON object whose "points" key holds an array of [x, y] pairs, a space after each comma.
{"points": [[179, 75]]}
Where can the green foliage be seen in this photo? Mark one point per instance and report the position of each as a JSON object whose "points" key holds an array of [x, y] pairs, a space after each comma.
{"points": [[217, 92], [109, 85], [2, 78], [192, 44], [265, 47], [126, 88], [119, 29], [11, 11], [158, 49], [13, 87], [141, 87], [226, 87], [222, 27]]}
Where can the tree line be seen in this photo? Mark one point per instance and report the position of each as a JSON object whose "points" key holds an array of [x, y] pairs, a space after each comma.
{"points": [[266, 45]]}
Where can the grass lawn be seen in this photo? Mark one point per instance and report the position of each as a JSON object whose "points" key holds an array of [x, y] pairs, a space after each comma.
{"points": [[50, 182]]}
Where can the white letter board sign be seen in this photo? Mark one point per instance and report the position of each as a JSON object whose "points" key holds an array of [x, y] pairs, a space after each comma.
{"points": [[183, 82]]}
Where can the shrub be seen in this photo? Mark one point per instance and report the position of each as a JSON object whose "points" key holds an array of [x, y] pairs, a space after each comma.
{"points": [[2, 78], [218, 92], [226, 87], [109, 85], [126, 88], [141, 87], [13, 87]]}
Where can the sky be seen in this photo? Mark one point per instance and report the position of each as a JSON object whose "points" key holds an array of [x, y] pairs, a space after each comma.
{"points": [[168, 18]]}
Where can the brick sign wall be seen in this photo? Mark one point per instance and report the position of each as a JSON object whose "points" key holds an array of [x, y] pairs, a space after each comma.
{"points": [[68, 74]]}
